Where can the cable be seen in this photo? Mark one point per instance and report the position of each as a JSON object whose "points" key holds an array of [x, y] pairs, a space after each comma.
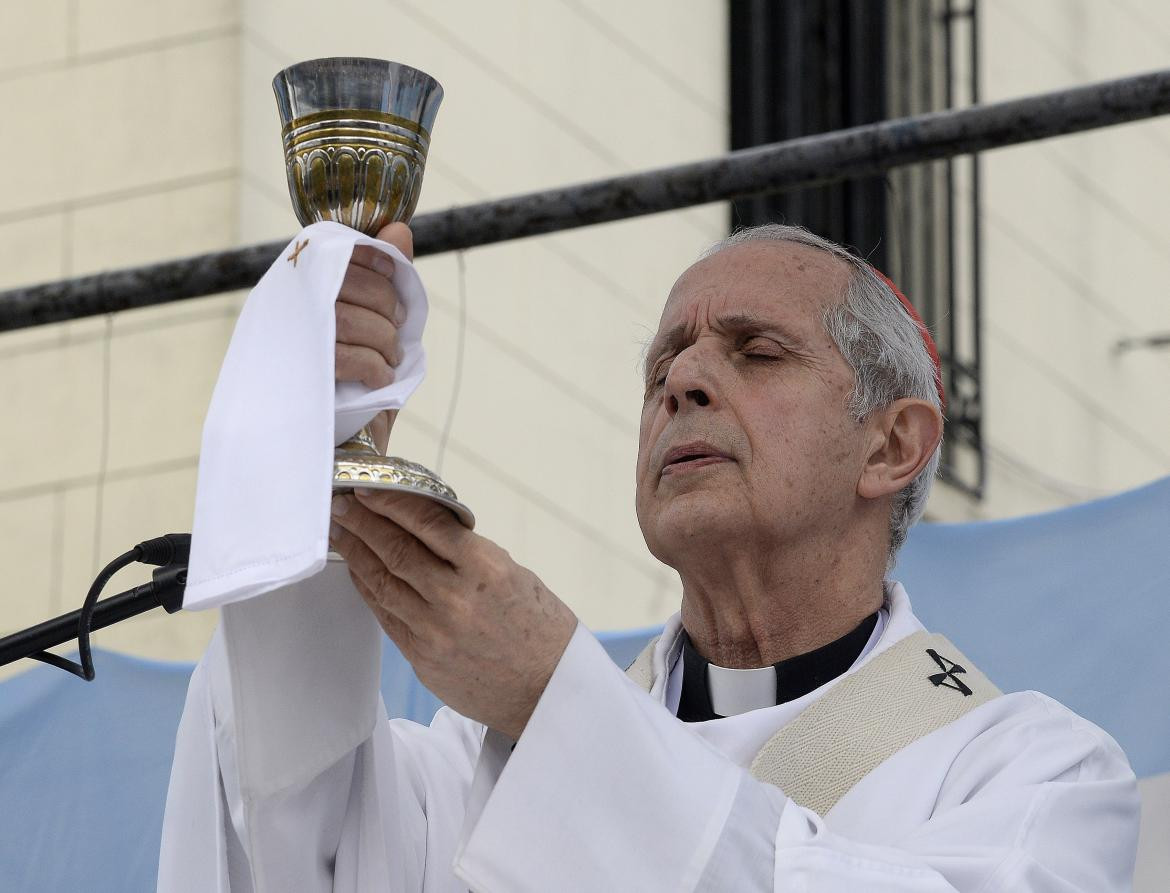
{"points": [[85, 668], [170, 553], [459, 346], [1065, 489], [104, 450]]}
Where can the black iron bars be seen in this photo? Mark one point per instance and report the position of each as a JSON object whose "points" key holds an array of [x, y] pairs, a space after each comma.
{"points": [[792, 164]]}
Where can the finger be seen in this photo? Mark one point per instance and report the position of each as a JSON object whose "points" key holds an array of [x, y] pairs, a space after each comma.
{"points": [[395, 627], [364, 364], [360, 327], [373, 258], [400, 236], [430, 522], [396, 550], [388, 591], [372, 291]]}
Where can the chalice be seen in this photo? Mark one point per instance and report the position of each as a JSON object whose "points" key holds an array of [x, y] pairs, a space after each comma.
{"points": [[356, 133]]}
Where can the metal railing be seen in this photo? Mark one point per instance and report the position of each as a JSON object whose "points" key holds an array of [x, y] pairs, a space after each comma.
{"points": [[806, 161]]}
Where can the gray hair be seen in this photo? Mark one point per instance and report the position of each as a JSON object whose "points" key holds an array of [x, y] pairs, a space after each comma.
{"points": [[883, 345]]}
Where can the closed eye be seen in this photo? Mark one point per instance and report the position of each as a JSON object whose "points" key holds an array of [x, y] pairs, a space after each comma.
{"points": [[658, 378], [761, 349]]}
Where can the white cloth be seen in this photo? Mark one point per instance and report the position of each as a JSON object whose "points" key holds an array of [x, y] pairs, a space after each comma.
{"points": [[265, 465], [606, 790]]}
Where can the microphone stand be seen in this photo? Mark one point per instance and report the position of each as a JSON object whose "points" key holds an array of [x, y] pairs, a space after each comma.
{"points": [[169, 553]]}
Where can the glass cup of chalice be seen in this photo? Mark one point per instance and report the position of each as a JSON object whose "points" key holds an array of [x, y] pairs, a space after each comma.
{"points": [[356, 133]]}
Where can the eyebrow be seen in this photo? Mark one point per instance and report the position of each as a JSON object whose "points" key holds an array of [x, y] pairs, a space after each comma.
{"points": [[675, 339]]}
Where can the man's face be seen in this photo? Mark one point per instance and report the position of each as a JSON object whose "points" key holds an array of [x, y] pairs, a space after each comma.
{"points": [[746, 438]]}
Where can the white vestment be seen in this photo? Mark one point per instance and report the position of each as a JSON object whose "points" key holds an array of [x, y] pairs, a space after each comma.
{"points": [[289, 777]]}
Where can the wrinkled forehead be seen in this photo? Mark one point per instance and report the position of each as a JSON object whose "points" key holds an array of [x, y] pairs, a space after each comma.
{"points": [[792, 283]]}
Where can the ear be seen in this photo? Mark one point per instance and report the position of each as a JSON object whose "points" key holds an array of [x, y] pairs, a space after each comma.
{"points": [[903, 437]]}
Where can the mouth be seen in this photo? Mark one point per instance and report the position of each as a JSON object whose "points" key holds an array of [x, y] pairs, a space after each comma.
{"points": [[692, 456]]}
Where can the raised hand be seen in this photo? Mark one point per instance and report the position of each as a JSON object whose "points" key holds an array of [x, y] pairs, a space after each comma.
{"points": [[482, 632], [369, 314]]}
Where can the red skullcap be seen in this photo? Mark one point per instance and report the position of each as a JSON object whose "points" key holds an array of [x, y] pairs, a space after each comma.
{"points": [[931, 347]]}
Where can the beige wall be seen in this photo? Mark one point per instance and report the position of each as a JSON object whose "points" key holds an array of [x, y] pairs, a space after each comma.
{"points": [[121, 149], [165, 142]]}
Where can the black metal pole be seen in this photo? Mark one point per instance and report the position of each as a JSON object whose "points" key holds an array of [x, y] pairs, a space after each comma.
{"points": [[64, 629], [807, 161]]}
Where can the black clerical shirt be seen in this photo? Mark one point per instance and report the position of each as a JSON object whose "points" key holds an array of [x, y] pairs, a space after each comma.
{"points": [[795, 677]]}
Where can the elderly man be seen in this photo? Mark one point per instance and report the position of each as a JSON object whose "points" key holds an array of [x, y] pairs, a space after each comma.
{"points": [[794, 728]]}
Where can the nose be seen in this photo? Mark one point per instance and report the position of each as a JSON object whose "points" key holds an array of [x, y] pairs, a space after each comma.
{"points": [[687, 386], [695, 395]]}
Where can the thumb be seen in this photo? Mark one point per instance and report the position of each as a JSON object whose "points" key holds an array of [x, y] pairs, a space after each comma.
{"points": [[400, 236]]}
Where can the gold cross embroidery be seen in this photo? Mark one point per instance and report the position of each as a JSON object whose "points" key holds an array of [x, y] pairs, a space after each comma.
{"points": [[296, 253]]}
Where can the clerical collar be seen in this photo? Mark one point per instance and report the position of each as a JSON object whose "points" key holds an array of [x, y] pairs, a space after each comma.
{"points": [[712, 692]]}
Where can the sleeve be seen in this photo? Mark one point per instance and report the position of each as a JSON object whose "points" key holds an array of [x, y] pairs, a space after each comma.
{"points": [[606, 790], [288, 774]]}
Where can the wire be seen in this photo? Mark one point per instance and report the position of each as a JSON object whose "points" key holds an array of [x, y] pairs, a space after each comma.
{"points": [[461, 340], [1036, 477], [104, 453], [169, 553], [85, 668]]}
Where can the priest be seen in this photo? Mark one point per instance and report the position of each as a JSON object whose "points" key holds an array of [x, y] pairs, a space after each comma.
{"points": [[794, 727]]}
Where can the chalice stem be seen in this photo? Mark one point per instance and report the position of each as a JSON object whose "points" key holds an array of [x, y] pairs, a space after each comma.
{"points": [[361, 443]]}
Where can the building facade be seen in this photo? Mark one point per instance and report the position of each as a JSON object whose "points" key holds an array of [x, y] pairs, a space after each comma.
{"points": [[148, 131]]}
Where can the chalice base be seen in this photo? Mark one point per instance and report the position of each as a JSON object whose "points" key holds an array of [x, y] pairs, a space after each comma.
{"points": [[358, 464]]}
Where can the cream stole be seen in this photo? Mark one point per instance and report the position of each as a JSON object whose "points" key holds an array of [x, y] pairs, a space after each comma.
{"points": [[914, 687]]}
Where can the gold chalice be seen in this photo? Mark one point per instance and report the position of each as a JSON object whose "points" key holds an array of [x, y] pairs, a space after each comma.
{"points": [[356, 133]]}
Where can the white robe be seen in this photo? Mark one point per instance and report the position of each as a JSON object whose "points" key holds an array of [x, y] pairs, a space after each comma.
{"points": [[288, 776]]}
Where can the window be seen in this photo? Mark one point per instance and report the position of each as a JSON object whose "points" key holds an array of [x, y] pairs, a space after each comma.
{"points": [[809, 66]]}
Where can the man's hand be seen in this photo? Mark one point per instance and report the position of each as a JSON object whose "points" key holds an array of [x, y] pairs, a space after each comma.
{"points": [[482, 632], [369, 314]]}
